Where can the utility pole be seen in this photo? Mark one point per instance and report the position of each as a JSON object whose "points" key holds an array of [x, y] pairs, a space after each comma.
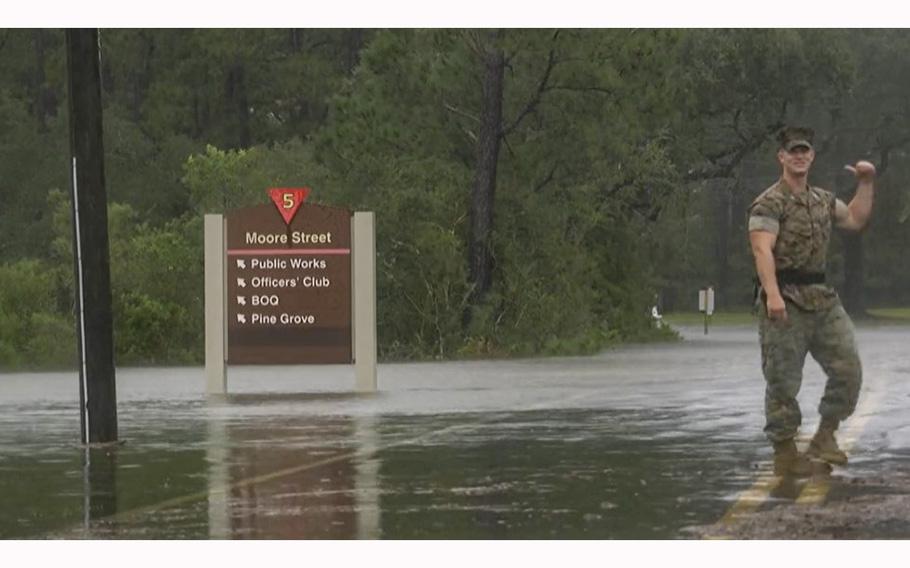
{"points": [[94, 321]]}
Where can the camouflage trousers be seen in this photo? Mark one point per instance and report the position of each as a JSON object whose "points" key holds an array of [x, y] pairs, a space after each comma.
{"points": [[828, 336]]}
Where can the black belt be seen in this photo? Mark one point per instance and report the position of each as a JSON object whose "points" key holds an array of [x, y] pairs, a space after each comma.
{"points": [[792, 276]]}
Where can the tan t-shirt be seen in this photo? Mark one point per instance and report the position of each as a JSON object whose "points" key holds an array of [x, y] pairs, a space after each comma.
{"points": [[802, 221]]}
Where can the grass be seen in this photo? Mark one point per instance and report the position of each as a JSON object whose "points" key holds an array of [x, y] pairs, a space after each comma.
{"points": [[741, 317], [893, 314]]}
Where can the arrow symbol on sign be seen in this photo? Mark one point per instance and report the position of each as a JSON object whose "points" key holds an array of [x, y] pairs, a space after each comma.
{"points": [[241, 318], [241, 263], [241, 282], [241, 300]]}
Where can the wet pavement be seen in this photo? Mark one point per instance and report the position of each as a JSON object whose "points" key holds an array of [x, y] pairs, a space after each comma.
{"points": [[656, 441]]}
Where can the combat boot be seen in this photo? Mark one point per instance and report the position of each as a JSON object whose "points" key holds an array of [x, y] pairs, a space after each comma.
{"points": [[824, 446], [789, 462]]}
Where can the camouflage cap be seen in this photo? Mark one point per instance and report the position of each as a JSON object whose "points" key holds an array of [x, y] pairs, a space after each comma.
{"points": [[795, 137]]}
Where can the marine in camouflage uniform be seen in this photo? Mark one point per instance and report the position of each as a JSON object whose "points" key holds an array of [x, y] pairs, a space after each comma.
{"points": [[791, 222]]}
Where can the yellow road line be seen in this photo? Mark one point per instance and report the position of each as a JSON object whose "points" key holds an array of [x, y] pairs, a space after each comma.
{"points": [[815, 490], [751, 499]]}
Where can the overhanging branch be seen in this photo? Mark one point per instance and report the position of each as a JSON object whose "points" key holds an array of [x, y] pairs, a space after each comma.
{"points": [[541, 88]]}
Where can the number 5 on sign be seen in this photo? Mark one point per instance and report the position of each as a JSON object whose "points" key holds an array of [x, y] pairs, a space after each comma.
{"points": [[288, 201]]}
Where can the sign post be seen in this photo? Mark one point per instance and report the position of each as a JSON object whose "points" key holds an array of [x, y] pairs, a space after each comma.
{"points": [[365, 301], [706, 303], [291, 283], [215, 371]]}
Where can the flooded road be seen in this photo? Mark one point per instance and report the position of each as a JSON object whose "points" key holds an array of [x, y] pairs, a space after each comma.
{"points": [[656, 441]]}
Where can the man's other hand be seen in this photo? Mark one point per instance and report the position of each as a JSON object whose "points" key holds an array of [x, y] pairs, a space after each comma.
{"points": [[777, 308]]}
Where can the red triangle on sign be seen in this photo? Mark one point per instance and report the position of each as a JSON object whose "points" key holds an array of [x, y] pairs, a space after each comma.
{"points": [[288, 201]]}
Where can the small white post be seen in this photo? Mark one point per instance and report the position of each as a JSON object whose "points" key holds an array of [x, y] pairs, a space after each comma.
{"points": [[215, 370], [217, 454], [706, 304], [364, 308]]}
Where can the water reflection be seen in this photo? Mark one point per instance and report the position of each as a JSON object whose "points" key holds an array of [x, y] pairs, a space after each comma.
{"points": [[283, 468], [293, 478], [99, 465], [267, 469], [366, 481], [217, 451]]}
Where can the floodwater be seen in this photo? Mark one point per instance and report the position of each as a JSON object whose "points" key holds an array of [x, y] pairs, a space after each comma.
{"points": [[655, 441]]}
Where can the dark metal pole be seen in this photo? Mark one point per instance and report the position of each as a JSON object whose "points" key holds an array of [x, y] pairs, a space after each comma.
{"points": [[100, 486], [94, 325]]}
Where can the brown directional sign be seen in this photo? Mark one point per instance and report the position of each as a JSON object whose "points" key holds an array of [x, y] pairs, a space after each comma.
{"points": [[288, 283]]}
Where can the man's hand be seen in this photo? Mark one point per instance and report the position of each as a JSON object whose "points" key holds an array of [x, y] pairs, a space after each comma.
{"points": [[863, 170], [777, 309], [855, 216]]}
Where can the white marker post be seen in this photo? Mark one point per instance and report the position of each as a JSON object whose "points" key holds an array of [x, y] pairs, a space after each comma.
{"points": [[215, 308], [706, 304]]}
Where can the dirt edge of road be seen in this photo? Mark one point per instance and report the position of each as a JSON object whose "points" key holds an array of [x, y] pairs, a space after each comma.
{"points": [[856, 508]]}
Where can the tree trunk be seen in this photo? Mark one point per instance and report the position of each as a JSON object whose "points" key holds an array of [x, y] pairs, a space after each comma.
{"points": [[853, 292], [197, 116], [142, 78], [854, 281], [44, 101], [353, 43], [295, 41], [722, 245], [238, 108], [480, 257], [108, 80]]}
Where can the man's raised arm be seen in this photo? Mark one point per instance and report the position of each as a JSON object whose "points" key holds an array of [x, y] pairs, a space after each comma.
{"points": [[855, 216]]}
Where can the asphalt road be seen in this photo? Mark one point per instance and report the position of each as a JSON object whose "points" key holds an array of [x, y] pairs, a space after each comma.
{"points": [[651, 441]]}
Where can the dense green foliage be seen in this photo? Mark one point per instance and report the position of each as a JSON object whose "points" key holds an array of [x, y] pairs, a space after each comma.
{"points": [[628, 158]]}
